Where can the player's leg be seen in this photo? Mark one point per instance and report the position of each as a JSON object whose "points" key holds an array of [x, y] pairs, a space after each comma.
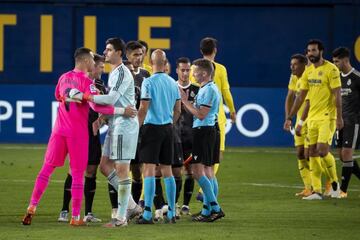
{"points": [[348, 136], [159, 201], [303, 162], [89, 192], [64, 213], [54, 157], [315, 162], [177, 166], [151, 140], [90, 177], [326, 133], [107, 169], [78, 156], [203, 148], [188, 189], [166, 160]]}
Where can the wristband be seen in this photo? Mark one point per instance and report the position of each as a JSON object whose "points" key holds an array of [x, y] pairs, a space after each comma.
{"points": [[119, 111], [301, 122]]}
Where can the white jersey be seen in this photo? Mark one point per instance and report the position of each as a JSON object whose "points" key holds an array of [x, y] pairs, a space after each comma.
{"points": [[121, 94]]}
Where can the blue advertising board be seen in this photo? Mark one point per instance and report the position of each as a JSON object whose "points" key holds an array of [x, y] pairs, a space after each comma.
{"points": [[27, 114]]}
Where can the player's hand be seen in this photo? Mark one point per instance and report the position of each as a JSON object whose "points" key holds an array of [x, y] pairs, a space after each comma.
{"points": [[233, 117], [339, 123], [298, 130], [184, 95], [130, 111], [287, 125], [75, 94], [96, 126]]}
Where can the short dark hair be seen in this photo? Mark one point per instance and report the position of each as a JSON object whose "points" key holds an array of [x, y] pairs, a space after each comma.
{"points": [[318, 42], [118, 44], [133, 45], [127, 62], [205, 65], [81, 53], [98, 58], [341, 52], [301, 58], [144, 44], [208, 45], [182, 60]]}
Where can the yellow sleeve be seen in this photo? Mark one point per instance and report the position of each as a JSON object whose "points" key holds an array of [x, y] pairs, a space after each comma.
{"points": [[334, 78], [292, 83], [228, 100], [304, 85], [225, 90]]}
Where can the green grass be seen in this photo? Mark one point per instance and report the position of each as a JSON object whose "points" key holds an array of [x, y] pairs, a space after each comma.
{"points": [[257, 187]]}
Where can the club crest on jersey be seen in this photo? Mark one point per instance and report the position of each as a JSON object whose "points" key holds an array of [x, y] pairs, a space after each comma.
{"points": [[320, 73], [192, 94], [92, 88], [348, 82]]}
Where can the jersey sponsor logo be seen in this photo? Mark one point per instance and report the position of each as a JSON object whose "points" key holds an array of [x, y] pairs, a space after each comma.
{"points": [[314, 81]]}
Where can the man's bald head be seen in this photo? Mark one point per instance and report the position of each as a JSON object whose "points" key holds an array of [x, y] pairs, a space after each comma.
{"points": [[158, 58]]}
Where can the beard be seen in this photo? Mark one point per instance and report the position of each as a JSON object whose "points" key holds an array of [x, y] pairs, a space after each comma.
{"points": [[314, 59]]}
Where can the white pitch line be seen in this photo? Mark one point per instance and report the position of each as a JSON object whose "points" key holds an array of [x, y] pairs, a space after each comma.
{"points": [[270, 185], [277, 185], [22, 147]]}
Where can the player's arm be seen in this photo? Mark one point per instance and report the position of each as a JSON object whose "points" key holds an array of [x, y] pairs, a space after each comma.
{"points": [[338, 104], [225, 92], [303, 118], [289, 101], [335, 85], [145, 101], [199, 113], [144, 106], [177, 110], [298, 101]]}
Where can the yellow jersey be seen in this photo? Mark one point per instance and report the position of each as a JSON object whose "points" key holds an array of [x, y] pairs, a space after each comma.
{"points": [[222, 83], [147, 68], [294, 85], [320, 81]]}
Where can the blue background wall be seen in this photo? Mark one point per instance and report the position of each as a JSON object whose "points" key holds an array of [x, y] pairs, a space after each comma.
{"points": [[256, 40]]}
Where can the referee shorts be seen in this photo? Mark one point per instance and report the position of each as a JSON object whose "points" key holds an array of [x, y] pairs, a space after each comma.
{"points": [[203, 145], [157, 144]]}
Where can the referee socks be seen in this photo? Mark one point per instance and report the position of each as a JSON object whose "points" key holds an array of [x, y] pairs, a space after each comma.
{"points": [[149, 193]]}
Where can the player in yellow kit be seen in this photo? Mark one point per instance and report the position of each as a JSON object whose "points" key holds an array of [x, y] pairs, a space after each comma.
{"points": [[321, 81], [297, 65]]}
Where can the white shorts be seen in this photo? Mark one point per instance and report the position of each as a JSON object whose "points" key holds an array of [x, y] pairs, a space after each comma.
{"points": [[120, 147]]}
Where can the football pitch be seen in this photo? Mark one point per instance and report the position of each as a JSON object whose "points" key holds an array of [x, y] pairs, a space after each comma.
{"points": [[257, 187]]}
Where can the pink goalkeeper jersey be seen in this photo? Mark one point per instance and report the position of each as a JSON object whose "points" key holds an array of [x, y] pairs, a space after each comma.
{"points": [[72, 117]]}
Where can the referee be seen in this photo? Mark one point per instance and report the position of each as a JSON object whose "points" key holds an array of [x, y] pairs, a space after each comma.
{"points": [[160, 106]]}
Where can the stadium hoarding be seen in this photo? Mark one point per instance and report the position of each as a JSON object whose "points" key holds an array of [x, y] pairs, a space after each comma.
{"points": [[38, 40], [28, 112]]}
